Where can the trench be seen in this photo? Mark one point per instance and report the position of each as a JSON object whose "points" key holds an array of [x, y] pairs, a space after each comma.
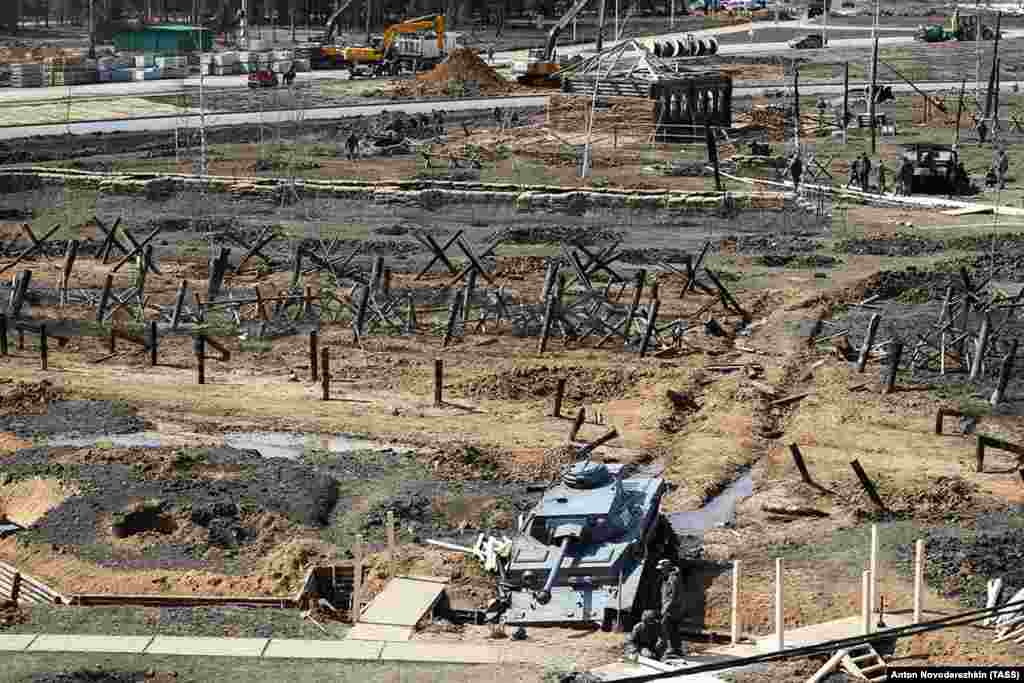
{"points": [[719, 511]]}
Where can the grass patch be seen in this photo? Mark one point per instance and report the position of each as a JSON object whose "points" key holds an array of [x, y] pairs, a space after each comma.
{"points": [[25, 666], [256, 346]]}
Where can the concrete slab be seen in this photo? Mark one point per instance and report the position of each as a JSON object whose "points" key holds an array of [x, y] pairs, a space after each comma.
{"points": [[87, 643], [16, 642], [441, 652], [323, 649], [380, 632], [212, 647], [404, 601], [830, 630]]}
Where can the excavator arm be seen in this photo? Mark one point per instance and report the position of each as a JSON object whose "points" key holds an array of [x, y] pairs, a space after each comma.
{"points": [[435, 22], [332, 21], [549, 47]]}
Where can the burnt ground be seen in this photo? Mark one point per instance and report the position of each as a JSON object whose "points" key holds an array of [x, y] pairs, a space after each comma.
{"points": [[75, 417]]}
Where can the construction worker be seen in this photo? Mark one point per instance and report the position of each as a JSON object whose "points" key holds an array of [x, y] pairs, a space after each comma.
{"points": [[643, 639], [1003, 168], [854, 173], [289, 76], [883, 172], [671, 608], [490, 54], [865, 172], [796, 169], [498, 118]]}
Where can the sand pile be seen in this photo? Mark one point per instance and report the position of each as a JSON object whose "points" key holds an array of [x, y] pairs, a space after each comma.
{"points": [[464, 65]]}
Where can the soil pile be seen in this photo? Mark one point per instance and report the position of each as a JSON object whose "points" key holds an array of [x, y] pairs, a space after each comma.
{"points": [[960, 567], [27, 398], [989, 242], [464, 64], [572, 113], [209, 501], [65, 417], [900, 244], [586, 384], [550, 465]]}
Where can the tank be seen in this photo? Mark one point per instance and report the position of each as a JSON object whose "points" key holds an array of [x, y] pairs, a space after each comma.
{"points": [[586, 552]]}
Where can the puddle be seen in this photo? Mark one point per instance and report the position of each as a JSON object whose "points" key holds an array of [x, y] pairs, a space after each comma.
{"points": [[719, 511], [7, 528], [290, 445]]}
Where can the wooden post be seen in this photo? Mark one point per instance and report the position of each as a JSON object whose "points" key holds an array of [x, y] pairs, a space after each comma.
{"points": [[796, 107], [652, 318], [199, 347], [391, 541], [307, 301], [545, 329], [179, 302], [872, 98], [153, 341], [979, 455], [918, 579], [16, 587], [357, 579], [895, 351], [113, 340], [1005, 369], [101, 308], [638, 289], [360, 321], [453, 311], [259, 304], [736, 602], [410, 325], [869, 487], [556, 411], [20, 292], [43, 350], [869, 340], [325, 374], [297, 265], [873, 591], [979, 349], [385, 282], [865, 601], [3, 334], [780, 640], [438, 382], [217, 270], [846, 98], [313, 376], [712, 144], [375, 273], [654, 288], [550, 277], [798, 458], [65, 276], [581, 414], [467, 295]]}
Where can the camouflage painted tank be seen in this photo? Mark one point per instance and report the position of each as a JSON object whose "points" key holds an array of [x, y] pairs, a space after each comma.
{"points": [[587, 551]]}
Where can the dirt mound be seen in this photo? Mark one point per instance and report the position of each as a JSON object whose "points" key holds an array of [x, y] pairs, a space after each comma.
{"points": [[551, 234], [65, 417], [585, 384], [770, 244], [27, 398], [900, 244], [464, 64], [518, 267], [24, 502], [959, 567], [549, 466], [11, 615]]}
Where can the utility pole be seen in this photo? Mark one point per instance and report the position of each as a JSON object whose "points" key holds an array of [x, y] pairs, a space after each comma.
{"points": [[959, 113], [846, 100], [616, 19], [874, 81], [796, 104], [977, 52], [824, 30], [600, 25], [92, 30]]}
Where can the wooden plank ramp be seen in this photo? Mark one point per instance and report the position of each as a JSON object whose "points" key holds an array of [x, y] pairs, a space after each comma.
{"points": [[394, 613]]}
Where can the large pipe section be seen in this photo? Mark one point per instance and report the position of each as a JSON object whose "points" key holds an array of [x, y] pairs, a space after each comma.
{"points": [[690, 46]]}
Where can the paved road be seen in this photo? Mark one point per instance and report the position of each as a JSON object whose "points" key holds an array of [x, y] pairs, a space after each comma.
{"points": [[166, 123]]}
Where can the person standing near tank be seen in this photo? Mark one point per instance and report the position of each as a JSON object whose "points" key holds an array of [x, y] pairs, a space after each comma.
{"points": [[643, 640], [671, 608]]}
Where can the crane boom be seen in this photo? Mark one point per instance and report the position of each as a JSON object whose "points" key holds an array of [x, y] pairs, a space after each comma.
{"points": [[549, 48], [332, 21]]}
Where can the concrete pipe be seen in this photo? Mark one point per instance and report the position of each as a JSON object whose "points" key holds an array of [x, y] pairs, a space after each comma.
{"points": [[682, 50], [699, 47], [711, 45]]}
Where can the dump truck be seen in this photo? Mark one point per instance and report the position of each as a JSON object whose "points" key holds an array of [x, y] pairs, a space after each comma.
{"points": [[413, 45]]}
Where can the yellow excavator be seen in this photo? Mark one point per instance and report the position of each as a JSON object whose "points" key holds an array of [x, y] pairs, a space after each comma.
{"points": [[394, 51], [541, 66]]}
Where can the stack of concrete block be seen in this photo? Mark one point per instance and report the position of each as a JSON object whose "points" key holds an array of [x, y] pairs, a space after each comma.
{"points": [[29, 75]]}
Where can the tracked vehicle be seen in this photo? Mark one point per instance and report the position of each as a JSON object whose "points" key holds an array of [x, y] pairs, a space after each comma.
{"points": [[587, 552]]}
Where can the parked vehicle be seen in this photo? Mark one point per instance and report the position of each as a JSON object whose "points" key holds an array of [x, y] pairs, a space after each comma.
{"points": [[264, 78], [811, 41]]}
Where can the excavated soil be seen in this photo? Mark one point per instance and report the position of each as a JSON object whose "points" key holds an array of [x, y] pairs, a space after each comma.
{"points": [[522, 383], [70, 417], [27, 398]]}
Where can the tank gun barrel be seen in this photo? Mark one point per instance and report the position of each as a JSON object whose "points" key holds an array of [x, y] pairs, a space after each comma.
{"points": [[589, 448], [567, 533]]}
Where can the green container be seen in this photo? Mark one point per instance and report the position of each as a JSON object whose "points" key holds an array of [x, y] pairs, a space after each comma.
{"points": [[174, 39]]}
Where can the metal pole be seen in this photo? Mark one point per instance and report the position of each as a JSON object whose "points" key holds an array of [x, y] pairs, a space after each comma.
{"points": [[780, 640], [92, 31], [977, 51], [846, 99], [824, 30], [918, 579], [585, 171], [735, 602], [616, 19], [368, 8]]}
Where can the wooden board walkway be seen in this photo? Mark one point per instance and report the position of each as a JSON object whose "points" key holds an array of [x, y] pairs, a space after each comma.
{"points": [[394, 613]]}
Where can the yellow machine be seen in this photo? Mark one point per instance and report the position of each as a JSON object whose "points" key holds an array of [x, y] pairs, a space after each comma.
{"points": [[541, 65], [394, 51]]}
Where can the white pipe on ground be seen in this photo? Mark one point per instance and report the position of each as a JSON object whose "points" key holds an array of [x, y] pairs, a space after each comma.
{"points": [[918, 579], [865, 606], [780, 639], [735, 602], [873, 593]]}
